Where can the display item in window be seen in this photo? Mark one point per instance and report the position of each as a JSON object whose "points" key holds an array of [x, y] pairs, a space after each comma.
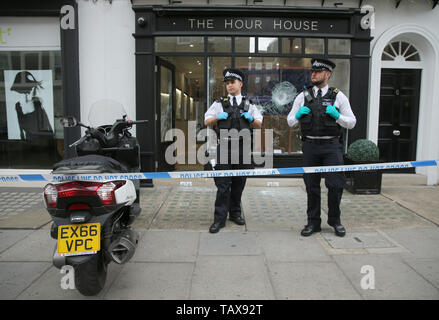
{"points": [[32, 118]]}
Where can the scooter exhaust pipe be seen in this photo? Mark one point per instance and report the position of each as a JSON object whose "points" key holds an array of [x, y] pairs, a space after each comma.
{"points": [[58, 260], [122, 249]]}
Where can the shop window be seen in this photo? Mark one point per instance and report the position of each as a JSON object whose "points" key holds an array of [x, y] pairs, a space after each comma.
{"points": [[268, 45], [31, 60], [30, 109], [189, 98], [219, 44], [245, 44], [179, 44], [400, 51], [339, 46], [341, 75], [314, 46], [165, 101], [216, 66], [273, 83], [292, 45]]}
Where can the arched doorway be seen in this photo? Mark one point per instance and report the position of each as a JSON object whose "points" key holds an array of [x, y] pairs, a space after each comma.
{"points": [[427, 46], [399, 102]]}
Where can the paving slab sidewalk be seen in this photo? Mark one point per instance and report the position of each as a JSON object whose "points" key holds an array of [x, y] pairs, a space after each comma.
{"points": [[177, 258]]}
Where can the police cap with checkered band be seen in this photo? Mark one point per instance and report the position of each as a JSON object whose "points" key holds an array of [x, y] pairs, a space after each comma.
{"points": [[322, 64], [233, 74]]}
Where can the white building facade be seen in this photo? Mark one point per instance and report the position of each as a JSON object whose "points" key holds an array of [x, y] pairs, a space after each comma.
{"points": [[130, 51]]}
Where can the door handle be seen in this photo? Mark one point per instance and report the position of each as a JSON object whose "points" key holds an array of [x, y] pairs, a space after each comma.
{"points": [[396, 132]]}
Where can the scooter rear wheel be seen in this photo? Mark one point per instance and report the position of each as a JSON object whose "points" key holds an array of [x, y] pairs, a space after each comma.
{"points": [[90, 276]]}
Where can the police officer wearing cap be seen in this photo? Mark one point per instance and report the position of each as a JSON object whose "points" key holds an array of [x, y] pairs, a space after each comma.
{"points": [[322, 112], [234, 111]]}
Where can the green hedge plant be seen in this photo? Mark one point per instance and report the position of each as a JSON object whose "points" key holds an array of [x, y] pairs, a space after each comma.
{"points": [[363, 150]]}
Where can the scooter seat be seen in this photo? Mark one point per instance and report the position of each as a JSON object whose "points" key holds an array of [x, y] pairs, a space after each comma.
{"points": [[89, 163]]}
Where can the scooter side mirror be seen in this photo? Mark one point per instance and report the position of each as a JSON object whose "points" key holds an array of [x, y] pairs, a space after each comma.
{"points": [[69, 122]]}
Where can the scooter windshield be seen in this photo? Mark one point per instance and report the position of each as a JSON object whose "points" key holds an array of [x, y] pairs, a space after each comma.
{"points": [[105, 112]]}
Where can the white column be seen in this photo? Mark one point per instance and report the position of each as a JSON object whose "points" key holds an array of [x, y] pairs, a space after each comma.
{"points": [[106, 54]]}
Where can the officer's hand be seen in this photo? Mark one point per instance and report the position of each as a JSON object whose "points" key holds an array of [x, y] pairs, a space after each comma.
{"points": [[222, 116], [302, 111], [333, 112], [247, 116]]}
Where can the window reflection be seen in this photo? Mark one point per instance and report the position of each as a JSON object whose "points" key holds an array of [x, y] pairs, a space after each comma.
{"points": [[341, 75], [189, 99], [273, 83], [314, 46], [292, 45], [179, 44], [339, 46], [219, 44], [245, 44], [165, 101], [268, 45], [216, 65]]}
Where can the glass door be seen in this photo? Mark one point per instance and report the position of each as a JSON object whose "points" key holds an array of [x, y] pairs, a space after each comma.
{"points": [[165, 111], [181, 107]]}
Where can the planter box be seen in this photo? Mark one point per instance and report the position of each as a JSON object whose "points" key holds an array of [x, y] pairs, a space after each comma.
{"points": [[363, 182]]}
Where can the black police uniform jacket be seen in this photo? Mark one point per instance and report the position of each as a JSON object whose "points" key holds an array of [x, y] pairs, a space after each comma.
{"points": [[234, 120], [318, 122]]}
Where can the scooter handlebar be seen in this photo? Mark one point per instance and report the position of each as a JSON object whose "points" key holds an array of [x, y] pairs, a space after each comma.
{"points": [[74, 144], [137, 121]]}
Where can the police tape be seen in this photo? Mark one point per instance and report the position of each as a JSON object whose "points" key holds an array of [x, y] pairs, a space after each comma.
{"points": [[10, 175]]}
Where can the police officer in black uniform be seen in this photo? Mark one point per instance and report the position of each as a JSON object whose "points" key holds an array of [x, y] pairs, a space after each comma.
{"points": [[234, 111], [322, 112]]}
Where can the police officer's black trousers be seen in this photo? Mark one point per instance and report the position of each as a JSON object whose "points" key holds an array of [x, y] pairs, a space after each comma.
{"points": [[330, 154], [228, 195]]}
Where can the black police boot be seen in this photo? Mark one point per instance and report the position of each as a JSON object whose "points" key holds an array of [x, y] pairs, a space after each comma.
{"points": [[339, 229], [216, 226], [309, 230], [238, 220]]}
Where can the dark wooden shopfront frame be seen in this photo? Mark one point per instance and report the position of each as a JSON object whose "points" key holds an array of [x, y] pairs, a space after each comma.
{"points": [[69, 55], [151, 22]]}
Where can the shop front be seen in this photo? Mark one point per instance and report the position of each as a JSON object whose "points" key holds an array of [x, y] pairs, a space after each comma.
{"points": [[186, 49], [38, 84]]}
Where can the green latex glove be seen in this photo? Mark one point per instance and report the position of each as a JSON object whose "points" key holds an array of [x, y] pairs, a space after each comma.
{"points": [[222, 116], [247, 116], [302, 111], [333, 112]]}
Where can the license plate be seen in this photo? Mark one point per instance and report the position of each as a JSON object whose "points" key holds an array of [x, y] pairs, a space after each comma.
{"points": [[79, 239]]}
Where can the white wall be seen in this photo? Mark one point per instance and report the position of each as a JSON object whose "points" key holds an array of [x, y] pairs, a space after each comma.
{"points": [[108, 64], [106, 54]]}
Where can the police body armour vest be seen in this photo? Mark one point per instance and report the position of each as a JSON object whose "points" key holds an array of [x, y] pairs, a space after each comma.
{"points": [[318, 123], [234, 120]]}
